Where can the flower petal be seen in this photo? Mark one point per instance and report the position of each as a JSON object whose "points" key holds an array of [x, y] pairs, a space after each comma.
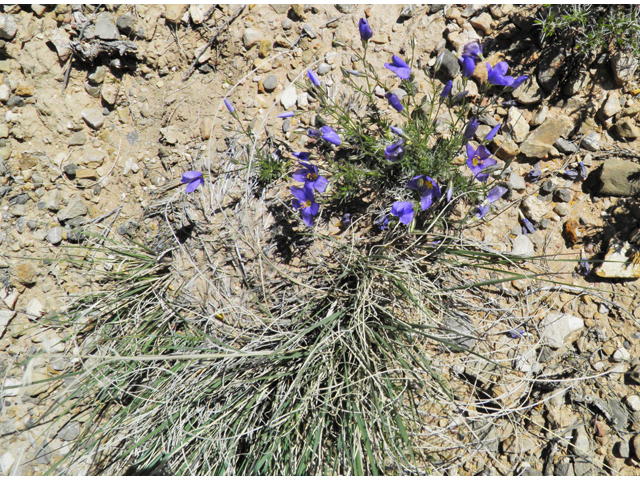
{"points": [[193, 185], [496, 194], [321, 184], [302, 155], [299, 193]]}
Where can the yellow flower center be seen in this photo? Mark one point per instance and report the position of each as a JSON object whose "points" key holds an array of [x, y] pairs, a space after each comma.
{"points": [[477, 161], [312, 176], [306, 204], [428, 185]]}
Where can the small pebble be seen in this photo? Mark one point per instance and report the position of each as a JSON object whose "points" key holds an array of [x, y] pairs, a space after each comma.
{"points": [[324, 68], [563, 195], [270, 83]]}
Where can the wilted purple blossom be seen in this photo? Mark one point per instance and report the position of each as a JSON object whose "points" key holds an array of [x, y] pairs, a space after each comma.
{"points": [[314, 133], [493, 196], [519, 81], [492, 133], [397, 130], [329, 135], [229, 105], [471, 128], [473, 49], [382, 222], [304, 156], [399, 67], [365, 30], [584, 265], [516, 333], [313, 77], [395, 151], [287, 115], [571, 174], [582, 170], [527, 226], [535, 174], [404, 211], [449, 192], [447, 89], [394, 101], [193, 180]]}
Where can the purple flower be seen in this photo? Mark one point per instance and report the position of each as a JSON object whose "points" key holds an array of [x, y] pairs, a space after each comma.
{"points": [[449, 192], [427, 188], [329, 135], [346, 220], [447, 89], [304, 156], [478, 160], [403, 210], [492, 133], [397, 130], [519, 81], [309, 175], [493, 196], [470, 131], [382, 222], [229, 105], [394, 101], [355, 73], [527, 226], [516, 333], [468, 65], [365, 30], [395, 151], [571, 174], [535, 174], [509, 103], [472, 49], [306, 202], [286, 115], [496, 75], [193, 180], [399, 67], [582, 170], [313, 77], [314, 133], [585, 266]]}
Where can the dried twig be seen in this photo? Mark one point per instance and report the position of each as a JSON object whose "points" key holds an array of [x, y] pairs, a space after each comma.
{"points": [[210, 42]]}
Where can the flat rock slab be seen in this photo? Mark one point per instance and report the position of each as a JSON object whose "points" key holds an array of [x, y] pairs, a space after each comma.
{"points": [[620, 178], [540, 141], [619, 262]]}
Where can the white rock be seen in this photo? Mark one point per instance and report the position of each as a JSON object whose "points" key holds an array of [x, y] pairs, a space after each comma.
{"points": [[9, 297], [34, 308], [11, 382], [6, 461], [303, 99], [5, 92], [250, 37], [11, 117], [534, 208], [633, 402], [93, 117], [612, 105], [517, 125], [52, 343], [197, 13], [517, 182], [5, 317], [557, 327], [60, 40], [522, 246], [621, 355], [289, 97], [618, 263]]}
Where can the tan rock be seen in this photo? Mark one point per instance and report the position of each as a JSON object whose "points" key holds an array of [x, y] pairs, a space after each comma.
{"points": [[174, 13], [539, 142], [25, 273]]}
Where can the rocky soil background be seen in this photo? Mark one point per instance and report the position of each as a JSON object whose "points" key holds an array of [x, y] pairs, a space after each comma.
{"points": [[102, 111]]}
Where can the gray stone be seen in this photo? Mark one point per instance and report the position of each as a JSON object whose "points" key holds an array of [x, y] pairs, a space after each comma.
{"points": [[581, 445], [459, 331], [78, 138], [126, 24], [286, 125], [324, 68], [627, 128], [619, 178], [280, 8], [576, 83], [450, 65], [105, 27], [517, 182], [529, 93], [522, 246], [287, 23], [270, 83], [289, 97], [69, 432], [559, 328], [563, 469], [541, 140], [93, 117], [75, 208], [548, 68], [55, 235], [624, 67], [97, 77], [251, 37], [8, 27], [621, 355], [563, 195], [622, 449], [15, 101], [346, 7], [591, 142], [565, 146], [70, 169], [408, 11], [583, 467], [619, 414], [309, 30], [42, 455], [93, 90]]}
